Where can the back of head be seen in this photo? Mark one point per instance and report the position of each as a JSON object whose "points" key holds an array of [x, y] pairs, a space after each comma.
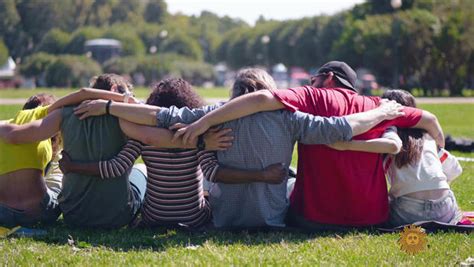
{"points": [[251, 80], [41, 99], [412, 139], [44, 99], [344, 75], [107, 80], [174, 92]]}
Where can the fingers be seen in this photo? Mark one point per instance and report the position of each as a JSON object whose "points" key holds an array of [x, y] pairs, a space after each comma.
{"points": [[226, 138], [177, 126], [82, 105], [223, 132], [178, 134], [224, 146]]}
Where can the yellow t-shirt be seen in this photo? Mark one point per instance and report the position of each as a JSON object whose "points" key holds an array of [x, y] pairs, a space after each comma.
{"points": [[26, 156]]}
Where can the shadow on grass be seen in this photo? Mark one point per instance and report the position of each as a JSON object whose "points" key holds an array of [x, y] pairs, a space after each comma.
{"points": [[160, 239]]}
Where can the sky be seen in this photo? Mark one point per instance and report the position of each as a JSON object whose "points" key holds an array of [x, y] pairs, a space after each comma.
{"points": [[250, 10]]}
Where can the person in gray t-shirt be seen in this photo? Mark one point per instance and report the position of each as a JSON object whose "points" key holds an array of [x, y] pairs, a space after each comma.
{"points": [[260, 140]]}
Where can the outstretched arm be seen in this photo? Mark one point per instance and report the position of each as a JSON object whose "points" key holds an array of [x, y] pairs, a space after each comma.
{"points": [[32, 132], [364, 121], [241, 106], [163, 138], [389, 143], [85, 94], [114, 167], [137, 113]]}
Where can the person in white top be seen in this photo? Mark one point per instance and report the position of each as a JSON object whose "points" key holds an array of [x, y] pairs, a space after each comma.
{"points": [[418, 171]]}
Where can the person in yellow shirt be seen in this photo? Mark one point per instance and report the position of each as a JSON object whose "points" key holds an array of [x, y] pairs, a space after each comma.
{"points": [[25, 197]]}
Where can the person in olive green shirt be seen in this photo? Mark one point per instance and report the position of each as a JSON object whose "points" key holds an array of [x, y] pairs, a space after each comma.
{"points": [[87, 200]]}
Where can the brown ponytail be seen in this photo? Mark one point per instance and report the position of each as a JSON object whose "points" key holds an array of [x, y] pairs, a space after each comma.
{"points": [[412, 139]]}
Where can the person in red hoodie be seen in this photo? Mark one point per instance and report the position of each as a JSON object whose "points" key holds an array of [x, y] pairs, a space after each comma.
{"points": [[335, 190]]}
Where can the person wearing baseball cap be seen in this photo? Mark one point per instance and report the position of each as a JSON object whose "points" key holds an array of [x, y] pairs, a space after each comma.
{"points": [[345, 76]]}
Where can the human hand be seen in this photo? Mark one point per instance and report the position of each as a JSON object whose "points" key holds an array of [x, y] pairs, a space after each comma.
{"points": [[191, 132], [218, 140], [273, 174], [65, 163], [390, 109], [90, 108]]}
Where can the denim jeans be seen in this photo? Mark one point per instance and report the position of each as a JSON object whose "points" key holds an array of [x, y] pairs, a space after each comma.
{"points": [[137, 178], [405, 210], [49, 212]]}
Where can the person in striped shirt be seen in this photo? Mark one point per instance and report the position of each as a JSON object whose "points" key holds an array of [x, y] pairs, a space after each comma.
{"points": [[174, 194]]}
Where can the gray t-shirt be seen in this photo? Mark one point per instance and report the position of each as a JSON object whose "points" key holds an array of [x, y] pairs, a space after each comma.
{"points": [[260, 140], [90, 200]]}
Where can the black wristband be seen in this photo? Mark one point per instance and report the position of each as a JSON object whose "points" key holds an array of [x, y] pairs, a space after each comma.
{"points": [[201, 145], [107, 107]]}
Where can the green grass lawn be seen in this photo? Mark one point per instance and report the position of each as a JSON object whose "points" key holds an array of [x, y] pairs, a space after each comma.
{"points": [[140, 92], [169, 247]]}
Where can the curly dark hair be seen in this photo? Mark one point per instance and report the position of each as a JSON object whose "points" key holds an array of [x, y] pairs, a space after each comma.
{"points": [[174, 92], [107, 80]]}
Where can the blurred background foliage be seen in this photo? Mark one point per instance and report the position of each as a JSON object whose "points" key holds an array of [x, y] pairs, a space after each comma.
{"points": [[430, 42]]}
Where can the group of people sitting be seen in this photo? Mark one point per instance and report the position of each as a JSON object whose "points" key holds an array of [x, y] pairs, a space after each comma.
{"points": [[226, 165]]}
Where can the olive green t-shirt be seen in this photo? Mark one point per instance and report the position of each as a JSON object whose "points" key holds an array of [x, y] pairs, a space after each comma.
{"points": [[90, 200]]}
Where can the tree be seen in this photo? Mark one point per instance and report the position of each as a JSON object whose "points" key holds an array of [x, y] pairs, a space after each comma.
{"points": [[3, 53], [10, 17], [55, 42], [131, 42], [79, 37], [156, 11], [71, 71], [179, 43]]}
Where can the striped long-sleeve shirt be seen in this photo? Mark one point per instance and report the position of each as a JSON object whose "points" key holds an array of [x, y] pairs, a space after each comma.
{"points": [[174, 193]]}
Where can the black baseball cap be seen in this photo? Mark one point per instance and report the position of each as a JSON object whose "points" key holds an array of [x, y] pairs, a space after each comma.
{"points": [[345, 74]]}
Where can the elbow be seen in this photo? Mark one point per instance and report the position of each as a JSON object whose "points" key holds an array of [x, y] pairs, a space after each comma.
{"points": [[394, 147], [431, 119], [151, 141], [264, 97]]}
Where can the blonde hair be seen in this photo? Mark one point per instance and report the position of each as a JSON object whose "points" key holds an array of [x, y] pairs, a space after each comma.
{"points": [[251, 80]]}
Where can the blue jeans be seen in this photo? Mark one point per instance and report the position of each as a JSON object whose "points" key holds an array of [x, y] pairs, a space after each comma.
{"points": [[137, 179], [49, 212], [406, 210]]}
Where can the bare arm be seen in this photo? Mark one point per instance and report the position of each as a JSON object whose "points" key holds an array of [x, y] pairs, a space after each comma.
{"points": [[364, 121], [163, 138], [430, 123], [241, 106], [137, 113], [85, 94], [273, 174], [389, 143], [32, 132], [68, 166], [377, 145]]}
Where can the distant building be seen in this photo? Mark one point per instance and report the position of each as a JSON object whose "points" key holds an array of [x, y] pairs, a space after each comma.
{"points": [[103, 49], [7, 74]]}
